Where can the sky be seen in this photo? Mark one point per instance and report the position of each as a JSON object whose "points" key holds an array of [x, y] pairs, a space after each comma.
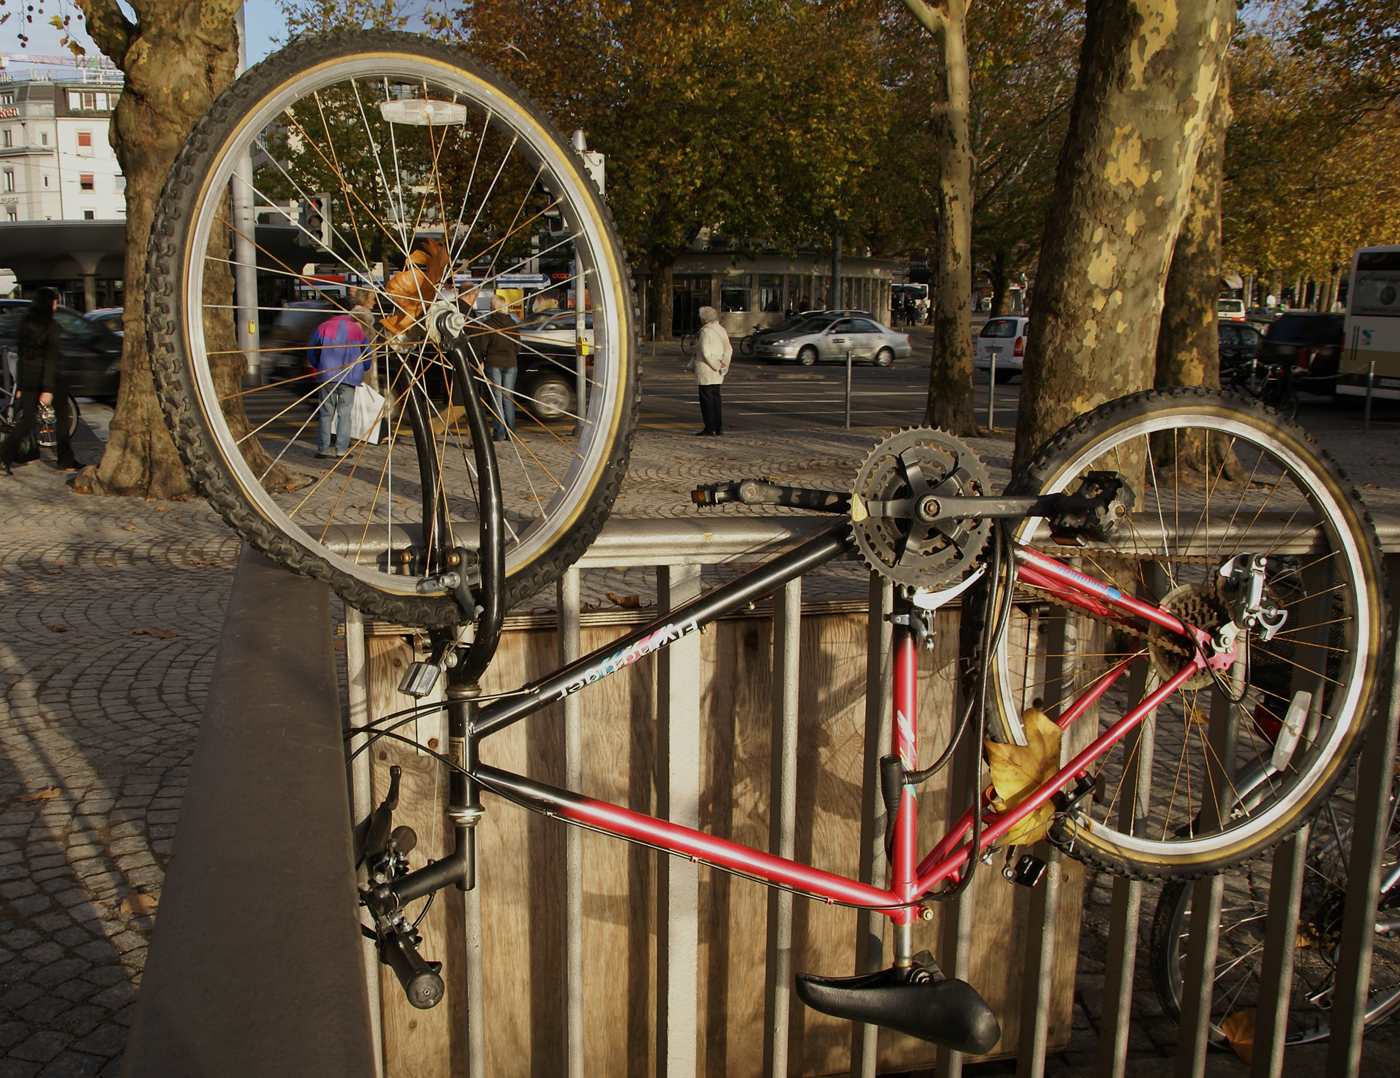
{"points": [[263, 20]]}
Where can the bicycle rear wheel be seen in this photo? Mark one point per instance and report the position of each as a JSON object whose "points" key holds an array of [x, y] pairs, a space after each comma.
{"points": [[1241, 940], [397, 164], [1214, 477]]}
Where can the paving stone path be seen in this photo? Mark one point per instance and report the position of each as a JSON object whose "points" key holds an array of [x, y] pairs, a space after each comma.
{"points": [[113, 609]]}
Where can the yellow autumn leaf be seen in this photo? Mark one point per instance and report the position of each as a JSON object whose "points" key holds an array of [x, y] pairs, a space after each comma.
{"points": [[1239, 1031], [1019, 770]]}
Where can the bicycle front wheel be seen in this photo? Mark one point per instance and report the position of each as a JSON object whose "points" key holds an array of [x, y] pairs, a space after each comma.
{"points": [[399, 165], [1207, 779]]}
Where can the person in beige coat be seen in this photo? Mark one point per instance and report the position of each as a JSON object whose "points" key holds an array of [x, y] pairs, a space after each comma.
{"points": [[711, 363]]}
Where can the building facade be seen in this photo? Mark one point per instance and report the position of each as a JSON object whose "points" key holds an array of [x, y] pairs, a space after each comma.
{"points": [[56, 162]]}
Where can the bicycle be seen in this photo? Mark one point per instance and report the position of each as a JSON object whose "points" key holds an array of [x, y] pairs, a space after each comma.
{"points": [[1241, 934], [45, 434], [1191, 534], [1269, 383]]}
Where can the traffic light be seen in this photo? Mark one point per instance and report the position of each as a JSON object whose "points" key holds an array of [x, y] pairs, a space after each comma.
{"points": [[314, 217]]}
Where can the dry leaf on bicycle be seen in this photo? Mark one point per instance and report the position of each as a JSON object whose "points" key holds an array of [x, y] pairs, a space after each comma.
{"points": [[1019, 770]]}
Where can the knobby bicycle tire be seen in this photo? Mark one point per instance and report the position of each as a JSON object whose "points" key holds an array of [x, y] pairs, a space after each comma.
{"points": [[340, 119], [1214, 476]]}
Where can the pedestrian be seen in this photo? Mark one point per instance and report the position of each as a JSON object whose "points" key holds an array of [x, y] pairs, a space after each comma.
{"points": [[498, 348], [340, 357], [363, 312], [711, 364], [39, 382]]}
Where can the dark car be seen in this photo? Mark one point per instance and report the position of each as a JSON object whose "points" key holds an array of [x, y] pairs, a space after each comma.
{"points": [[1311, 344], [89, 355], [1239, 344]]}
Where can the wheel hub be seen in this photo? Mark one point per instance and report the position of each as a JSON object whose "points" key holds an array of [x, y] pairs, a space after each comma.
{"points": [[912, 469]]}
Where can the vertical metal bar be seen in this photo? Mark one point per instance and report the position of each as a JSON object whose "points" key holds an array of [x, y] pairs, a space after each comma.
{"points": [[678, 800], [1198, 986], [1373, 784], [1310, 655], [848, 389], [568, 593], [870, 927], [1039, 956], [992, 391], [361, 795], [245, 259], [476, 1010], [782, 826], [1126, 904], [1276, 972]]}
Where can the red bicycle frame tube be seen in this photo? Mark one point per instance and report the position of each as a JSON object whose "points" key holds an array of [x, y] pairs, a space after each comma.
{"points": [[910, 878]]}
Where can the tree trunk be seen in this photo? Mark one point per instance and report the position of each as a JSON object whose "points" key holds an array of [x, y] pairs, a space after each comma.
{"points": [[950, 372], [1188, 344], [1147, 81], [1001, 295], [663, 293], [176, 59]]}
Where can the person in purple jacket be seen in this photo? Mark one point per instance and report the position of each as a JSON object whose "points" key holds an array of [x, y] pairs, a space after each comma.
{"points": [[338, 354]]}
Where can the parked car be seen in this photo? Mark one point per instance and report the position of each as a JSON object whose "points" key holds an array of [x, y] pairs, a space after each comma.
{"points": [[1309, 343], [1004, 338], [1230, 310], [1261, 315], [789, 326], [89, 355], [557, 334], [284, 346], [109, 318], [1239, 344], [829, 338]]}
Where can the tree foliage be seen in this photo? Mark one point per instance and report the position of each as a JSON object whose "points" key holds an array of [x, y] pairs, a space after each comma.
{"points": [[1313, 159]]}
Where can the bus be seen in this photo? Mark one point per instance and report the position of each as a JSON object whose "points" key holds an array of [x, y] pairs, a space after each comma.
{"points": [[1372, 342]]}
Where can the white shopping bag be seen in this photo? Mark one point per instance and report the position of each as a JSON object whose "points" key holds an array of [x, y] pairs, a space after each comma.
{"points": [[365, 414]]}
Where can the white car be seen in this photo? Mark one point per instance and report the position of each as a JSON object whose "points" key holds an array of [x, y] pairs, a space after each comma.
{"points": [[557, 334], [824, 336], [1230, 310], [1004, 338]]}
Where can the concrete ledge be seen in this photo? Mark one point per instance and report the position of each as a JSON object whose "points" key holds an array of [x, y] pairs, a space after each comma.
{"points": [[256, 966]]}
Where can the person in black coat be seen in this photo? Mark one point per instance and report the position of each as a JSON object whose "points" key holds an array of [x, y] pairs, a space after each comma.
{"points": [[38, 381]]}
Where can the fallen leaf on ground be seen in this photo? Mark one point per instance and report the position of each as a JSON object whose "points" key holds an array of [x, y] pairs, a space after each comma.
{"points": [[1370, 486], [58, 628], [162, 509], [128, 527], [627, 602], [1019, 770], [1239, 1031], [164, 634], [136, 902], [40, 795], [33, 587]]}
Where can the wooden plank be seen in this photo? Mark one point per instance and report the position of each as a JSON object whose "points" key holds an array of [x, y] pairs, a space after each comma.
{"points": [[521, 860]]}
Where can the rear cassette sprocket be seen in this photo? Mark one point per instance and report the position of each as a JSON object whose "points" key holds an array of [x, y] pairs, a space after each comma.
{"points": [[906, 467]]}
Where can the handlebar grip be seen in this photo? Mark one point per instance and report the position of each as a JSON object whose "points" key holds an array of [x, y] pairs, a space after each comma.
{"points": [[421, 981]]}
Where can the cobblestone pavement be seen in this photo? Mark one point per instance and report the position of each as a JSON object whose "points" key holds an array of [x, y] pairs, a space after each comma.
{"points": [[114, 609]]}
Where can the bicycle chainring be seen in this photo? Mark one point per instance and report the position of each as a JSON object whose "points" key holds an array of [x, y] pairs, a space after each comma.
{"points": [[906, 467]]}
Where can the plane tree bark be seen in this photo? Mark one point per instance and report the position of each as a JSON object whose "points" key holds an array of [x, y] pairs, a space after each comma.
{"points": [[1149, 71], [949, 402], [176, 57], [1188, 343]]}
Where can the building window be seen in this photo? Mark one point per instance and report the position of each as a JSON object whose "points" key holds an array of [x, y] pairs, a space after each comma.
{"points": [[120, 183], [46, 181], [9, 138], [85, 142], [43, 138], [9, 180], [734, 292], [7, 98], [89, 215], [12, 215], [770, 293], [85, 181]]}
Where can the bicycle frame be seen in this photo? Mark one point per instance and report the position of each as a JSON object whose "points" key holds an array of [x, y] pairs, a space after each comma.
{"points": [[911, 878]]}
